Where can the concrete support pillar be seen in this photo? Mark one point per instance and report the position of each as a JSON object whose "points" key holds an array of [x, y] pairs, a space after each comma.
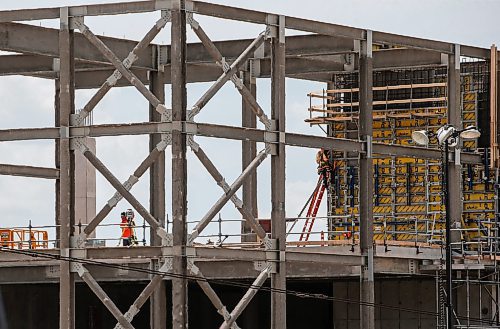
{"points": [[85, 188], [455, 119], [367, 289], [158, 302], [278, 224], [179, 167], [249, 152], [65, 163]]}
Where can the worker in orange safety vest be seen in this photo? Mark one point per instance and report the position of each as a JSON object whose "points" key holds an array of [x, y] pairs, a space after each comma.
{"points": [[126, 230]]}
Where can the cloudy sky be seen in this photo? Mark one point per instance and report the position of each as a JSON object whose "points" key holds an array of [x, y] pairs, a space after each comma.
{"points": [[28, 102]]}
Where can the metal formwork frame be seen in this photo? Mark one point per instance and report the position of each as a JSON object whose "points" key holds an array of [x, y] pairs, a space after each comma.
{"points": [[177, 127]]}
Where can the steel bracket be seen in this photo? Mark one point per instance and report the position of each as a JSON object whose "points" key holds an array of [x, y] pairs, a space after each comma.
{"points": [[192, 144], [261, 266], [166, 238], [191, 21], [77, 144], [75, 21], [77, 268], [270, 244]]}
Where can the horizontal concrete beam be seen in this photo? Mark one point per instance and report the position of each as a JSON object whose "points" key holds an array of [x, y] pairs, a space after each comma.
{"points": [[244, 15], [234, 133], [28, 171]]}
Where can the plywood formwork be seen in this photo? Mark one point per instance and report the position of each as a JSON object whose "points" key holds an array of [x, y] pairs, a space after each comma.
{"points": [[76, 58]]}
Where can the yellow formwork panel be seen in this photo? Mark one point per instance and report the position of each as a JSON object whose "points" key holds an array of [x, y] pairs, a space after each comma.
{"points": [[425, 178]]}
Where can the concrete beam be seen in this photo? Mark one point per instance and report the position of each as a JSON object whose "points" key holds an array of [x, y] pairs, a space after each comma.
{"points": [[29, 171]]}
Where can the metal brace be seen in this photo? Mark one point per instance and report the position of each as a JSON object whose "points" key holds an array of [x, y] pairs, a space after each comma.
{"points": [[237, 201], [166, 238], [224, 185], [127, 185], [80, 240], [225, 65], [191, 21], [130, 59], [77, 119], [77, 268], [237, 82], [166, 17], [195, 270], [194, 234], [163, 110], [192, 144], [269, 244], [262, 266], [78, 144]]}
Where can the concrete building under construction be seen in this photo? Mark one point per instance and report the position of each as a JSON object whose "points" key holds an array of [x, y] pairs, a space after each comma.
{"points": [[404, 214]]}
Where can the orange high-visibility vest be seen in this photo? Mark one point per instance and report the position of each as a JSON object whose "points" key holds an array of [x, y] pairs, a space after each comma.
{"points": [[126, 230]]}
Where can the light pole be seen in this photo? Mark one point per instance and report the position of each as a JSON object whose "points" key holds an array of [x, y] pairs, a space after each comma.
{"points": [[447, 136]]}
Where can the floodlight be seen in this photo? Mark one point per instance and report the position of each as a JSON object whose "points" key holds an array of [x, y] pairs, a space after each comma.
{"points": [[444, 133], [470, 132], [420, 137]]}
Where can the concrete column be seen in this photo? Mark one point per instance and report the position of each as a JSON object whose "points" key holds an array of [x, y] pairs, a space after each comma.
{"points": [[249, 152], [367, 313], [278, 224], [158, 302], [65, 163], [85, 188], [179, 166], [455, 119]]}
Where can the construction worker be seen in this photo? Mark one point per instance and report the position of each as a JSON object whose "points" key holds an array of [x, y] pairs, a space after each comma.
{"points": [[126, 230], [130, 217], [324, 166]]}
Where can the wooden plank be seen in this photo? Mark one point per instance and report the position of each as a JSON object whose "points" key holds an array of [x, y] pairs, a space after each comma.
{"points": [[318, 108], [395, 87]]}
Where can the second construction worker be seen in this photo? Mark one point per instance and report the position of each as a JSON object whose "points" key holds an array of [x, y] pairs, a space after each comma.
{"points": [[324, 166]]}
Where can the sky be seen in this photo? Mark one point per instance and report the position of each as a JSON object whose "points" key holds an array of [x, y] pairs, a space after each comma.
{"points": [[29, 102]]}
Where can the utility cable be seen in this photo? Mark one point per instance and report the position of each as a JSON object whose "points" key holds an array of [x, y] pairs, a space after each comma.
{"points": [[294, 293]]}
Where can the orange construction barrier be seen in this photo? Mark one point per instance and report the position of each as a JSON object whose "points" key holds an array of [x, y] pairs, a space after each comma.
{"points": [[24, 239]]}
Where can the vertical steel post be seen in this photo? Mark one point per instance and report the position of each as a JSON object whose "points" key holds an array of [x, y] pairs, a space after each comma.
{"points": [[278, 224], [453, 172], [158, 302], [66, 173], [179, 166], [249, 152], [367, 312], [449, 285]]}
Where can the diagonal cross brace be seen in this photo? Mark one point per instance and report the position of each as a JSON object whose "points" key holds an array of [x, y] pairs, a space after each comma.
{"points": [[242, 208], [220, 61], [245, 300], [229, 192], [93, 39], [146, 293], [127, 63], [120, 188], [229, 74], [210, 292], [101, 294], [131, 181]]}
